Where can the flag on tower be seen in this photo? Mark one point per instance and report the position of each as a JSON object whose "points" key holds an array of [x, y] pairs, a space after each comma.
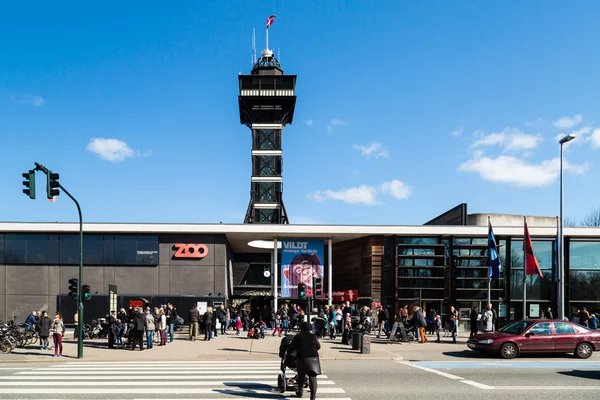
{"points": [[270, 20], [531, 263], [493, 260]]}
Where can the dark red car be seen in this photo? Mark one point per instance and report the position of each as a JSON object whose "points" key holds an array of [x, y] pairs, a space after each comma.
{"points": [[543, 336]]}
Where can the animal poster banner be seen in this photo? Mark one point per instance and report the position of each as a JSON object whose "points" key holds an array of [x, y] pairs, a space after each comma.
{"points": [[301, 260]]}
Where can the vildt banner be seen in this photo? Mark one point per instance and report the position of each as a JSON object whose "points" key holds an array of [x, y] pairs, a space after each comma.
{"points": [[301, 260]]}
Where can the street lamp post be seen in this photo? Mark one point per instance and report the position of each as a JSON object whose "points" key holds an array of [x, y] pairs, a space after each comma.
{"points": [[561, 238]]}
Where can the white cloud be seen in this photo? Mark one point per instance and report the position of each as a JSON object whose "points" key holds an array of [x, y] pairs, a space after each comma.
{"points": [[595, 139], [537, 122], [364, 194], [110, 149], [396, 189], [357, 195], [568, 122], [335, 122], [377, 150], [308, 122], [30, 99], [512, 139], [512, 170], [459, 130], [489, 140], [523, 141]]}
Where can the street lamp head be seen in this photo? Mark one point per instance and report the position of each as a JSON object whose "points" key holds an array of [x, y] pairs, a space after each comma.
{"points": [[566, 139]]}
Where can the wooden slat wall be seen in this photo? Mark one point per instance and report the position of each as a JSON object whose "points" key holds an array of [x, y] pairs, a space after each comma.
{"points": [[357, 264], [347, 264]]}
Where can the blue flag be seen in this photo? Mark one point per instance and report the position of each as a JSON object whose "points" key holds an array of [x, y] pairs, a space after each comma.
{"points": [[493, 260]]}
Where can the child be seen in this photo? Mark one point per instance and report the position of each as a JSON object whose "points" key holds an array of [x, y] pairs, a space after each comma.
{"points": [[437, 327], [277, 326], [263, 329], [238, 325], [119, 332]]}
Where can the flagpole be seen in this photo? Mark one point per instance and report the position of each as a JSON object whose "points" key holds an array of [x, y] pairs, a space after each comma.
{"points": [[489, 291], [267, 38], [524, 271]]}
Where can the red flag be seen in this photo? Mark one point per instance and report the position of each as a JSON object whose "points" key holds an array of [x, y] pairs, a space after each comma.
{"points": [[531, 263], [270, 20]]}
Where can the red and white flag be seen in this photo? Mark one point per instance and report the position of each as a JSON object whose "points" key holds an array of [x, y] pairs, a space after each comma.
{"points": [[270, 20]]}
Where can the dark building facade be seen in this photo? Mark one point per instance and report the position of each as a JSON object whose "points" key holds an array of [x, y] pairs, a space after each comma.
{"points": [[434, 266]]}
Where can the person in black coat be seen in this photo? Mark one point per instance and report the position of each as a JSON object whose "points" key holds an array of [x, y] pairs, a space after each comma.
{"points": [[43, 326], [474, 321], [307, 348]]}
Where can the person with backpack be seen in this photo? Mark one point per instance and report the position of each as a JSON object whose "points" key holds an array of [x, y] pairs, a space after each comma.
{"points": [[382, 317]]}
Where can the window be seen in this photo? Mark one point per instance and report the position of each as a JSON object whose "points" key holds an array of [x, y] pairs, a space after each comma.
{"points": [[543, 328], [562, 328], [93, 249], [584, 255], [147, 250], [537, 288], [69, 249], [53, 249], [1, 249], [37, 249], [15, 248], [125, 250]]}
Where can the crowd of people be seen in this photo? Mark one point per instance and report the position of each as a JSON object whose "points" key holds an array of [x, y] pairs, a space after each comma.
{"points": [[45, 327]]}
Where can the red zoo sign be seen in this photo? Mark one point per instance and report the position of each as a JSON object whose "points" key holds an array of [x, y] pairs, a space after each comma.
{"points": [[136, 303], [190, 250]]}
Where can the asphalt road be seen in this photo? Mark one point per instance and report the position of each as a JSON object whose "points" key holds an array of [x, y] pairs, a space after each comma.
{"points": [[529, 378]]}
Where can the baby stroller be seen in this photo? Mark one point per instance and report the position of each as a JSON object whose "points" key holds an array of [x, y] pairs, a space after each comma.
{"points": [[255, 331], [288, 361]]}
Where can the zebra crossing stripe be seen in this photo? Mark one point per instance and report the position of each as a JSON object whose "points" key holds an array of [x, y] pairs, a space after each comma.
{"points": [[50, 391], [139, 378], [154, 383]]}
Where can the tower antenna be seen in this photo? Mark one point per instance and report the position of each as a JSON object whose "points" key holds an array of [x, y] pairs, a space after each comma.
{"points": [[253, 46]]}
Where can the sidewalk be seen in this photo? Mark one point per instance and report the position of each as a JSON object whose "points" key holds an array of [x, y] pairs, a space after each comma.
{"points": [[236, 348]]}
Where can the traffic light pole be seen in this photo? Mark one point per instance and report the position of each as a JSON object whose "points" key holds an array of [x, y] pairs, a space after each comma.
{"points": [[42, 168], [79, 295]]}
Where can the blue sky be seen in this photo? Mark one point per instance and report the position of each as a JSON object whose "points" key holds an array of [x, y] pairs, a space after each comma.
{"points": [[405, 109]]}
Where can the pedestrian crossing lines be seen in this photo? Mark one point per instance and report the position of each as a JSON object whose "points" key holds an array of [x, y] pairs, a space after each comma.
{"points": [[203, 380]]}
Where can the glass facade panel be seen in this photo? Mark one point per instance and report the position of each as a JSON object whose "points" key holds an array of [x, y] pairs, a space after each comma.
{"points": [[537, 288], [1, 248], [53, 249], [584, 285], [125, 250], [147, 250], [584, 255], [15, 248], [543, 251], [109, 250], [69, 249], [255, 275], [37, 249], [93, 249]]}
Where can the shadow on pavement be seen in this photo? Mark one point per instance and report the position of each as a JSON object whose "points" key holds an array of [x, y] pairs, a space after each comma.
{"points": [[239, 350], [467, 354], [581, 374]]}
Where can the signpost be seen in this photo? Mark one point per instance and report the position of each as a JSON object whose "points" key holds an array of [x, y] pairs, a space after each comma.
{"points": [[112, 298]]}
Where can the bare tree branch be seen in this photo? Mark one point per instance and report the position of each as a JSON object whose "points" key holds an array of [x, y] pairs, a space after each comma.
{"points": [[570, 221], [592, 219]]}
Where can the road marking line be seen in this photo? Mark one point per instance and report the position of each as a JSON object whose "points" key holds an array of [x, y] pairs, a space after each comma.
{"points": [[478, 385], [281, 397], [139, 378], [132, 368], [147, 390], [547, 387], [153, 383], [111, 363], [433, 371], [148, 372], [8, 368]]}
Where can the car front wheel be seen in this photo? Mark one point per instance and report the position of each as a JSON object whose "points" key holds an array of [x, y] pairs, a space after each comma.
{"points": [[508, 350], [584, 350]]}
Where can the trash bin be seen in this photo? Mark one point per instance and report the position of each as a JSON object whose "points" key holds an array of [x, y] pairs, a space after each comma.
{"points": [[356, 340]]}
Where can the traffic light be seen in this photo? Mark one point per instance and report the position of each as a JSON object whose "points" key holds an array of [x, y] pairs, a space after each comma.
{"points": [[301, 290], [73, 288], [317, 287], [52, 185], [29, 183], [85, 292]]}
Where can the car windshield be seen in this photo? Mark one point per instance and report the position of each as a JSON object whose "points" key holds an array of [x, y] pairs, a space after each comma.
{"points": [[516, 327]]}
